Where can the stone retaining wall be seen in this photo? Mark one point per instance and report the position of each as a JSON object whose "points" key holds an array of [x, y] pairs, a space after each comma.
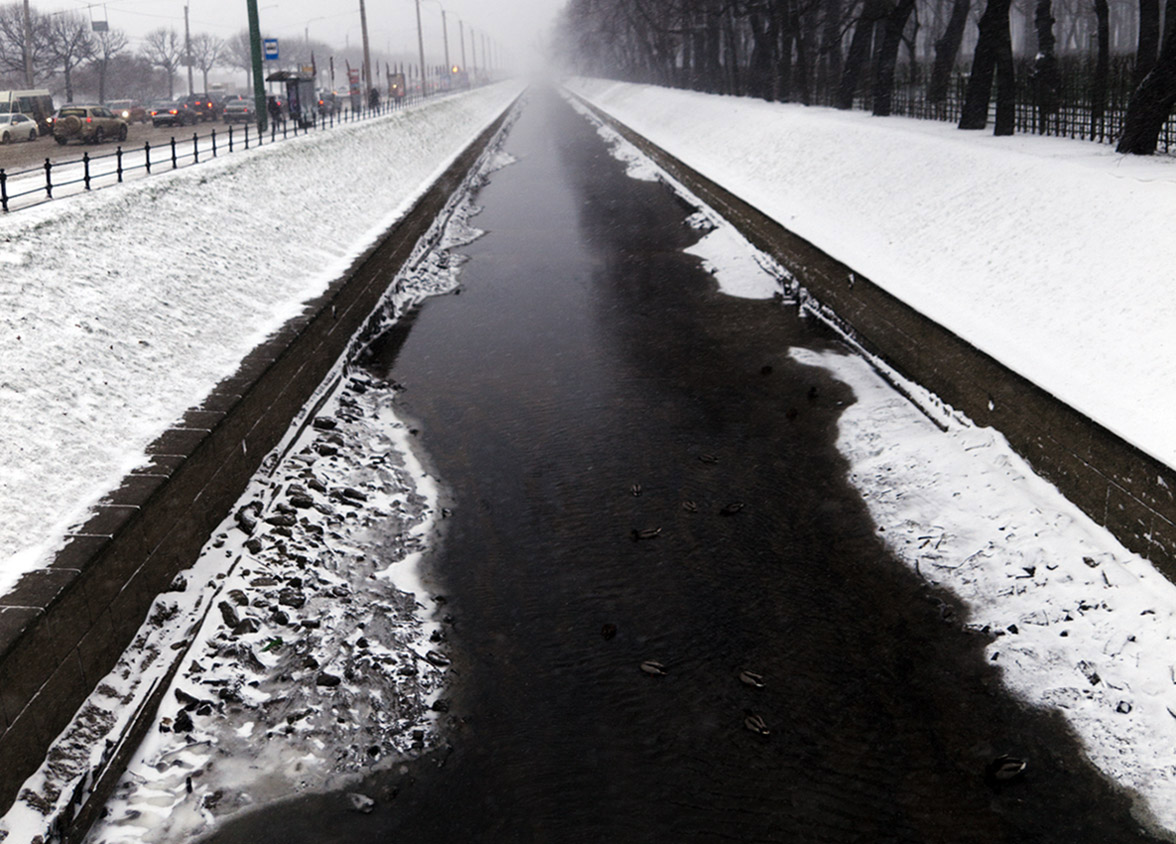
{"points": [[1119, 486], [63, 627]]}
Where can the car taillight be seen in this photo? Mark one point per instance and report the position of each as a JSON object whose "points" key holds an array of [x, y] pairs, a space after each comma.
{"points": [[174, 111], [89, 119]]}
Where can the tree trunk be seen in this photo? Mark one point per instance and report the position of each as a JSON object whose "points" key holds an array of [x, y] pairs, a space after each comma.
{"points": [[1045, 66], [887, 57], [993, 22], [803, 79], [1098, 95], [1149, 40], [831, 47], [946, 50], [759, 68], [859, 51], [1153, 100], [1006, 87]]}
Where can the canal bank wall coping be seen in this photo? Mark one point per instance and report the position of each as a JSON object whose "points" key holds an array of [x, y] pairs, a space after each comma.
{"points": [[1121, 487], [63, 627]]}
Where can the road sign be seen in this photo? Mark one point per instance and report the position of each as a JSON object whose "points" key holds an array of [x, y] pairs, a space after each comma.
{"points": [[271, 49]]}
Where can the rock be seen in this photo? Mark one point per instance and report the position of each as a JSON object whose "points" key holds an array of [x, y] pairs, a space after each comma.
{"points": [[282, 520], [326, 450], [302, 502], [437, 658], [264, 580], [253, 546], [229, 614], [360, 802], [731, 509], [238, 597], [440, 705], [179, 584], [291, 598], [183, 723], [324, 423], [246, 517], [326, 679], [353, 494], [608, 631], [247, 625]]}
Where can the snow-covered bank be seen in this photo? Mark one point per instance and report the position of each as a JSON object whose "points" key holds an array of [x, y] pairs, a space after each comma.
{"points": [[1076, 623], [1053, 256], [307, 644], [121, 309]]}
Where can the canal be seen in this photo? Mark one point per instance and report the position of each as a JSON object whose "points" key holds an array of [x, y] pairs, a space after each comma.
{"points": [[637, 471]]}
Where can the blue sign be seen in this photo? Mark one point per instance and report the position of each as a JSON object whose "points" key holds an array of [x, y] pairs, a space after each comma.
{"points": [[271, 49]]}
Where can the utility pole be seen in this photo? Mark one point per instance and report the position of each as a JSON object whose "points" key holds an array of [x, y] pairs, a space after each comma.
{"points": [[259, 104], [28, 46], [461, 34], [188, 51], [421, 46], [367, 59], [445, 37]]}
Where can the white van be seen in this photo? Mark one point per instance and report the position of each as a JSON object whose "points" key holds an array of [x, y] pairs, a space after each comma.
{"points": [[37, 103]]}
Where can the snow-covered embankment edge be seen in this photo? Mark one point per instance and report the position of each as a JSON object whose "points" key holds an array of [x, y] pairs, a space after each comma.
{"points": [[322, 548], [1076, 623], [122, 309]]}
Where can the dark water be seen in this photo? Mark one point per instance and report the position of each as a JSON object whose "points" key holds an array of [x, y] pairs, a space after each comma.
{"points": [[587, 354]]}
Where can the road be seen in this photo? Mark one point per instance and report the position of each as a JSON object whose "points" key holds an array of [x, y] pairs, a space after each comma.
{"points": [[591, 382]]}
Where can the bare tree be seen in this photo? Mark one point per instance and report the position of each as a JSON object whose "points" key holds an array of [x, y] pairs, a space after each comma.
{"points": [[107, 46], [238, 54], [164, 49], [14, 44], [68, 43], [1153, 100], [207, 52]]}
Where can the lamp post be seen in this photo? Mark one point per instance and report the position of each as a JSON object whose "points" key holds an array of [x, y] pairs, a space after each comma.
{"points": [[367, 59], [255, 49], [421, 47], [461, 34], [445, 39]]}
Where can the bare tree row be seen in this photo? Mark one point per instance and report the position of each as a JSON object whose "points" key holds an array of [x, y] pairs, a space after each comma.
{"points": [[846, 51], [63, 49]]}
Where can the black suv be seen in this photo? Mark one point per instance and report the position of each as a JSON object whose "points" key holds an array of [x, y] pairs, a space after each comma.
{"points": [[205, 105]]}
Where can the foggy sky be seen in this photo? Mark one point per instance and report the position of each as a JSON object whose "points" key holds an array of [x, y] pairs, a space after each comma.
{"points": [[516, 25]]}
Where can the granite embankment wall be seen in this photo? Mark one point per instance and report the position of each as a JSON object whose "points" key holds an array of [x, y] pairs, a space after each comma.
{"points": [[63, 627], [1121, 487]]}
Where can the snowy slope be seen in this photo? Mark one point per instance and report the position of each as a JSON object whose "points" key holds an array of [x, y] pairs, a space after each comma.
{"points": [[1053, 256], [121, 309]]}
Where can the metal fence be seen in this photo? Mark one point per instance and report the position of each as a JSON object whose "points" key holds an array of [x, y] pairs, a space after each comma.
{"points": [[36, 185], [1074, 116]]}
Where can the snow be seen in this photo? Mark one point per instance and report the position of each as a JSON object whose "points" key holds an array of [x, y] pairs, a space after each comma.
{"points": [[121, 309], [314, 572], [1038, 251], [1076, 623]]}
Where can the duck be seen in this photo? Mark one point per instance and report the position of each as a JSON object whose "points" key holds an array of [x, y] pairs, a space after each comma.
{"points": [[1005, 769], [647, 533], [750, 678], [636, 489], [689, 506], [731, 509], [756, 724], [653, 667]]}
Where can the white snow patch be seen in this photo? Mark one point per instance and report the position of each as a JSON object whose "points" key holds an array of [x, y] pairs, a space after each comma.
{"points": [[1083, 626]]}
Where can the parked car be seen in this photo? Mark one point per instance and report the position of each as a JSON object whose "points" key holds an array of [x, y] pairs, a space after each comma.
{"points": [[17, 127], [239, 111], [131, 111], [206, 106], [168, 113], [90, 124]]}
